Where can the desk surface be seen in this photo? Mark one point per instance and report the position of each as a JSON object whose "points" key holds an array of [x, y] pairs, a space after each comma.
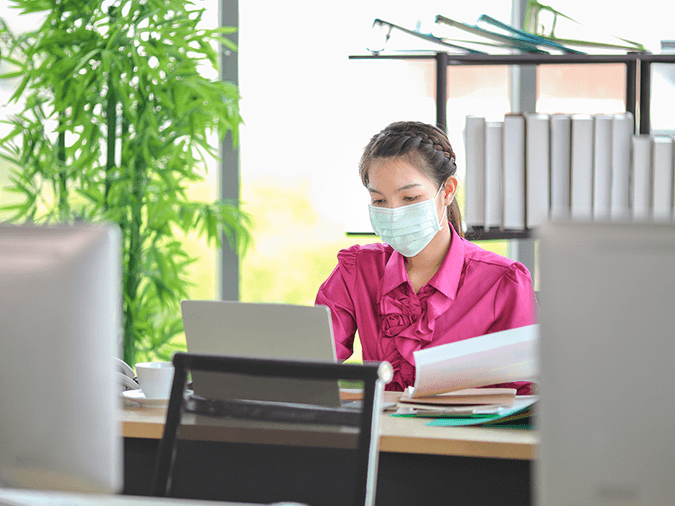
{"points": [[397, 434]]}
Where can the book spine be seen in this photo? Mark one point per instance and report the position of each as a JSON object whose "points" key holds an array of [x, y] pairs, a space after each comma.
{"points": [[474, 141], [622, 132], [641, 191], [494, 160], [513, 196], [662, 170], [537, 168], [602, 167], [581, 167], [560, 165]]}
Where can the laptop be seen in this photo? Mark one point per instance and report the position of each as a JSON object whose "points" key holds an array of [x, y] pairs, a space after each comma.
{"points": [[261, 330], [607, 383]]}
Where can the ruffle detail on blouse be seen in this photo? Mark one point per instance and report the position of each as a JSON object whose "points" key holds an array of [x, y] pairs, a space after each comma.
{"points": [[407, 324], [404, 372]]}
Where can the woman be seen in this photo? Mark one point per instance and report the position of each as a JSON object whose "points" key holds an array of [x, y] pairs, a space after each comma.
{"points": [[427, 285]]}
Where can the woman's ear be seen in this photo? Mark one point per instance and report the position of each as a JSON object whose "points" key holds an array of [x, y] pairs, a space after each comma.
{"points": [[449, 190]]}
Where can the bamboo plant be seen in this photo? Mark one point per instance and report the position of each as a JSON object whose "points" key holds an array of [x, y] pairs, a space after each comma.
{"points": [[115, 122]]}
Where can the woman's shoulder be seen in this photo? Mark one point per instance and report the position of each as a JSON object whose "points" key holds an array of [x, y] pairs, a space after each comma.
{"points": [[367, 254], [489, 259]]}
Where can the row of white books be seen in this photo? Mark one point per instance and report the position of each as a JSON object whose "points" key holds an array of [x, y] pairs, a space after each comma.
{"points": [[532, 167]]}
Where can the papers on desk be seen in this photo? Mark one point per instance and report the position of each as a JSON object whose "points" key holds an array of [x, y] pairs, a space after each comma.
{"points": [[448, 378], [500, 357], [467, 397], [517, 412]]}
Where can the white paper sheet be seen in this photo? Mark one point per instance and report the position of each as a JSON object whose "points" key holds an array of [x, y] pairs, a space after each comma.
{"points": [[510, 355]]}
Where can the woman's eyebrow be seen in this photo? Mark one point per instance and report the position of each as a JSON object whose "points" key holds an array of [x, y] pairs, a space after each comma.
{"points": [[402, 188], [408, 187]]}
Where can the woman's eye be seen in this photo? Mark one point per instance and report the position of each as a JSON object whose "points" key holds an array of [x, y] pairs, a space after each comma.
{"points": [[378, 202], [410, 198]]}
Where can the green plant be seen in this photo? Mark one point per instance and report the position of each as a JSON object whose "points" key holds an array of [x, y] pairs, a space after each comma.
{"points": [[116, 122]]}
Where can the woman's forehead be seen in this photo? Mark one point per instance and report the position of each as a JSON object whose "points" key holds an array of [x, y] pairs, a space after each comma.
{"points": [[396, 172]]}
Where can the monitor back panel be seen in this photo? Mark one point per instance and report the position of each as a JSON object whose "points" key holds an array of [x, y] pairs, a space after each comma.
{"points": [[607, 402]]}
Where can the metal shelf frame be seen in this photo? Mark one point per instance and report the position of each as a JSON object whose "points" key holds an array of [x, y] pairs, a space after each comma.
{"points": [[638, 73]]}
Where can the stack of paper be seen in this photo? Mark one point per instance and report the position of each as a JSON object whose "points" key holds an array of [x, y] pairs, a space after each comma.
{"points": [[448, 376], [465, 402]]}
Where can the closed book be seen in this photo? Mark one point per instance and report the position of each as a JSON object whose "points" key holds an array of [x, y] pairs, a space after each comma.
{"points": [[602, 167], [641, 191], [662, 171], [537, 168], [581, 167], [622, 132], [561, 132], [513, 196], [467, 396], [474, 211], [494, 160]]}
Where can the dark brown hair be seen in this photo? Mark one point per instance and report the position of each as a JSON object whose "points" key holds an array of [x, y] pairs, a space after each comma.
{"points": [[425, 146]]}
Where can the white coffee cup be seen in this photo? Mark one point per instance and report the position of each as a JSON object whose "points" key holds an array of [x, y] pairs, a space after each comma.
{"points": [[155, 379]]}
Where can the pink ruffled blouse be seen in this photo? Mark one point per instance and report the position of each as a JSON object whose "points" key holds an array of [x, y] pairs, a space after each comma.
{"points": [[474, 292]]}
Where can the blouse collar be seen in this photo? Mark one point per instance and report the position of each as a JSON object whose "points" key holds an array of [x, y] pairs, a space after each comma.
{"points": [[446, 279]]}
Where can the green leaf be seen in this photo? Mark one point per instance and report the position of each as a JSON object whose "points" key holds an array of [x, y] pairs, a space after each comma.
{"points": [[12, 207], [165, 114], [10, 75]]}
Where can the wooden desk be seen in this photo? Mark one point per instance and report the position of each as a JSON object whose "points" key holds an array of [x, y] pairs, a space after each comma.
{"points": [[399, 435], [418, 464]]}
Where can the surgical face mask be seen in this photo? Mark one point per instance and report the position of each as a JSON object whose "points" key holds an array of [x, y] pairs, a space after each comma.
{"points": [[407, 229]]}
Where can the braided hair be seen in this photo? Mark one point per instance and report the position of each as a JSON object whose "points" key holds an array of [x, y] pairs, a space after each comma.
{"points": [[426, 147]]}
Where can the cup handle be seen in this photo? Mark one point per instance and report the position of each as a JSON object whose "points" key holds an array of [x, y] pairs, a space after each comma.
{"points": [[127, 381], [125, 368]]}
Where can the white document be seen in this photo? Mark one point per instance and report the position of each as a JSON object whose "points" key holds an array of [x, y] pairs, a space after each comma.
{"points": [[641, 193], [622, 132], [560, 165], [662, 165], [474, 185], [582, 167], [514, 172], [500, 357], [494, 162], [537, 168], [602, 167]]}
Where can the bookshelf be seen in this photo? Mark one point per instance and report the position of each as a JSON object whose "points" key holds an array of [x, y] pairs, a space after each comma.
{"points": [[637, 98]]}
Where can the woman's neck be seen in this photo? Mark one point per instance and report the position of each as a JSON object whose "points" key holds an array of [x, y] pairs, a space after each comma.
{"points": [[422, 267]]}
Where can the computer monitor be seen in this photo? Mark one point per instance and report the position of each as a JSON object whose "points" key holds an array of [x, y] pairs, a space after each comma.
{"points": [[607, 369], [60, 314]]}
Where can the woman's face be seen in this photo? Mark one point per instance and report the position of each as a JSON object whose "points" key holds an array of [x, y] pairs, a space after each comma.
{"points": [[395, 182]]}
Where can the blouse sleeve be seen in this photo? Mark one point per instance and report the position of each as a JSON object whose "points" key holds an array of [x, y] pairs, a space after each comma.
{"points": [[335, 293], [515, 306]]}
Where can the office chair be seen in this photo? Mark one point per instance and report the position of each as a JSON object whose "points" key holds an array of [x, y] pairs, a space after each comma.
{"points": [[223, 446]]}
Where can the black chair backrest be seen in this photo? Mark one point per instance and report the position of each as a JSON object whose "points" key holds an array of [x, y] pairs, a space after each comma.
{"points": [[232, 449]]}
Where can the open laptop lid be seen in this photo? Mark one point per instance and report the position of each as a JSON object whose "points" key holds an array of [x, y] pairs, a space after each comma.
{"points": [[256, 330]]}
